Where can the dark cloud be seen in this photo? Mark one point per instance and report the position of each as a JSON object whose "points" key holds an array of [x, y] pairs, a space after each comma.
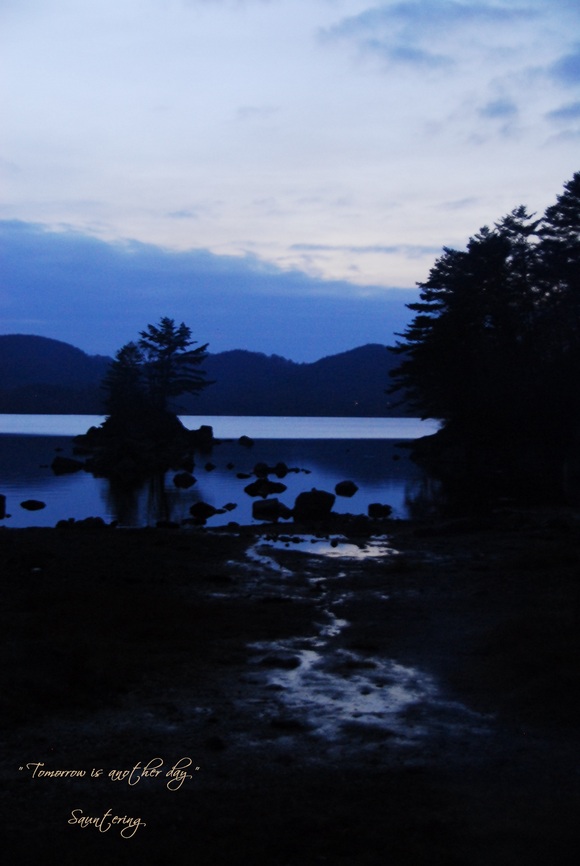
{"points": [[404, 32], [571, 111], [411, 251], [501, 109], [185, 214], [99, 295], [406, 55], [421, 35], [424, 15], [567, 69], [459, 203]]}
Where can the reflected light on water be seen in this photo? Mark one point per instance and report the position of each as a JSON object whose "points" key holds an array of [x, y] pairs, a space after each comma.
{"points": [[380, 469]]}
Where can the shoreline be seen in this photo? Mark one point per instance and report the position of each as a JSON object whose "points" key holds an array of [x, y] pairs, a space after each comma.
{"points": [[127, 644]]}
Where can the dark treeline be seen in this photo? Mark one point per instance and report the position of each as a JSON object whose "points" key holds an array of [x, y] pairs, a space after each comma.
{"points": [[494, 352]]}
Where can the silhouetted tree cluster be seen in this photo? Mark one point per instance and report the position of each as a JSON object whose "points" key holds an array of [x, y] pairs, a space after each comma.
{"points": [[494, 347], [142, 437], [146, 374]]}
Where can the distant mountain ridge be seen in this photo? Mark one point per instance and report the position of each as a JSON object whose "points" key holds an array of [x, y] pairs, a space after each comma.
{"points": [[41, 375]]}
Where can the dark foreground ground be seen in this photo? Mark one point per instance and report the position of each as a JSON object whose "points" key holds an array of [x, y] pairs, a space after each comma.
{"points": [[417, 707]]}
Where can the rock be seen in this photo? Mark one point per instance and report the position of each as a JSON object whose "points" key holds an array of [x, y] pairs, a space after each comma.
{"points": [[280, 470], [345, 488], [201, 511], [202, 439], [288, 663], [376, 511], [66, 465], [184, 480], [264, 487], [32, 504], [91, 523], [209, 466], [246, 441], [313, 505], [261, 470], [85, 523], [270, 510], [230, 506]]}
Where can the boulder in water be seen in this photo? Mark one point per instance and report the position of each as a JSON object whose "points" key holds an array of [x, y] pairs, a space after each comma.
{"points": [[264, 487], [66, 465], [345, 488], [313, 505], [32, 504], [270, 510], [377, 511], [201, 511]]}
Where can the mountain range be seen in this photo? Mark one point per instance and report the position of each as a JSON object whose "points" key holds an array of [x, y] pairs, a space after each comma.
{"points": [[41, 375]]}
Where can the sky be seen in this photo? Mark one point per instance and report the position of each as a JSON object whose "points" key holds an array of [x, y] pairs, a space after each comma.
{"points": [[279, 174]]}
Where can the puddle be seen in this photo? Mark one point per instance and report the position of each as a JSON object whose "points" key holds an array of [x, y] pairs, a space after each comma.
{"points": [[336, 548], [338, 692], [390, 701]]}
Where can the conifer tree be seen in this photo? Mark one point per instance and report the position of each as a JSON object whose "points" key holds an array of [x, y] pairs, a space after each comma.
{"points": [[494, 348], [170, 366], [145, 375]]}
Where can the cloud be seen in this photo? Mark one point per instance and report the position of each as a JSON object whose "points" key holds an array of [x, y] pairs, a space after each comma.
{"points": [[231, 127], [459, 203], [411, 251], [501, 109], [256, 112], [425, 17], [404, 33], [406, 55], [571, 111], [184, 214], [98, 295], [567, 68]]}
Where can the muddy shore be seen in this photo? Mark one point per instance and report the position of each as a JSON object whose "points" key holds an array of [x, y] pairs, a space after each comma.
{"points": [[406, 697]]}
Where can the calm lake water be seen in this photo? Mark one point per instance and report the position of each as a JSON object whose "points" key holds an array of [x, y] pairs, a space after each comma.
{"points": [[324, 450]]}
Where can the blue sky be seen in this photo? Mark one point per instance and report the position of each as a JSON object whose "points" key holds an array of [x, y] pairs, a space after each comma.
{"points": [[276, 173]]}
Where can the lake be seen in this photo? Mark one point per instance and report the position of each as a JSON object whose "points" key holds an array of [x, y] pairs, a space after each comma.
{"points": [[323, 450]]}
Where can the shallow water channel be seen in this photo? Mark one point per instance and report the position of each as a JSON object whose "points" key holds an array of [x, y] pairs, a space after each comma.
{"points": [[324, 687]]}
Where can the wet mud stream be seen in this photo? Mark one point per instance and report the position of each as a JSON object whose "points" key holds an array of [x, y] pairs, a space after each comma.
{"points": [[344, 699]]}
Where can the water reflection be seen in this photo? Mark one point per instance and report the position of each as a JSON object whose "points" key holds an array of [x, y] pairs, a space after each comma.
{"points": [[124, 502], [381, 470], [333, 548]]}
